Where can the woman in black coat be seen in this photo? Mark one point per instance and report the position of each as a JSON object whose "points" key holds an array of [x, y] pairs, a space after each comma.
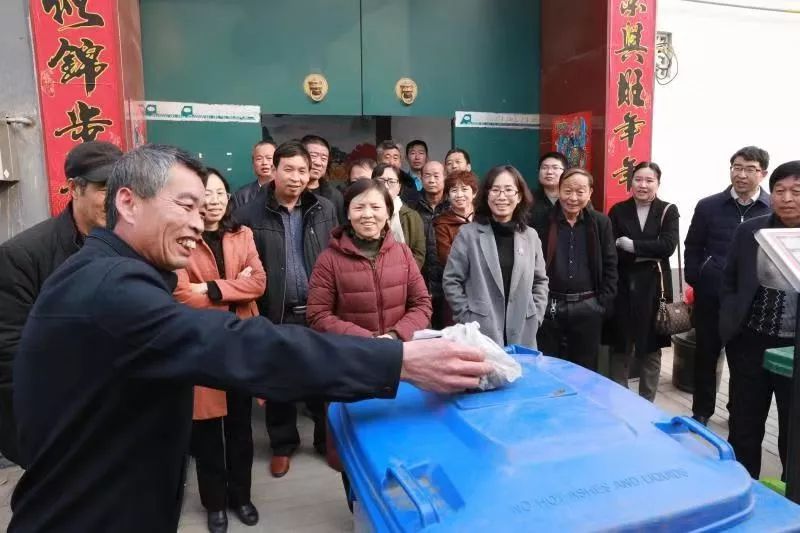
{"points": [[646, 232]]}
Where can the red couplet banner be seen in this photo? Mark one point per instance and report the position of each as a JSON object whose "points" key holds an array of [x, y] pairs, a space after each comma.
{"points": [[76, 47], [629, 102]]}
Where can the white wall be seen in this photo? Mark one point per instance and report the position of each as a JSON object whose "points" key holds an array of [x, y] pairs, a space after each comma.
{"points": [[737, 85], [435, 131]]}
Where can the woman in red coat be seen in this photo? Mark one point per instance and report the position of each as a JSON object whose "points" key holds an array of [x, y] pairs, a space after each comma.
{"points": [[366, 283], [225, 273]]}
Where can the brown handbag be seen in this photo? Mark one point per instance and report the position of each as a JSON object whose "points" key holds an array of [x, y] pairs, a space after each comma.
{"points": [[675, 317]]}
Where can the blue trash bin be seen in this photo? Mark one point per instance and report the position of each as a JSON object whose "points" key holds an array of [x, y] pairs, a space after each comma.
{"points": [[562, 449]]}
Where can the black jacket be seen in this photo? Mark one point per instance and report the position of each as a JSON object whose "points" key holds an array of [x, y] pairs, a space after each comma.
{"points": [[334, 196], [26, 261], [602, 251], [262, 216], [740, 278], [245, 194], [709, 237], [106, 427], [408, 189], [639, 285], [540, 211], [432, 271]]}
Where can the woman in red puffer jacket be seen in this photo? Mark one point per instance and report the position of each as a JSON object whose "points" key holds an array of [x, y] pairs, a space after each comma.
{"points": [[366, 283]]}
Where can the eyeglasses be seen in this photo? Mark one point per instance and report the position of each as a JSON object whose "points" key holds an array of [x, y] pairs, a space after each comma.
{"points": [[212, 194], [508, 192], [554, 168], [389, 181], [749, 170]]}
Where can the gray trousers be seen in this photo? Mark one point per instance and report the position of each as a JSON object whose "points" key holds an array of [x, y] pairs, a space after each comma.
{"points": [[649, 371]]}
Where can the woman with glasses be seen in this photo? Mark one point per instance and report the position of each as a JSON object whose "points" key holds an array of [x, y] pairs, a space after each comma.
{"points": [[646, 233], [405, 224], [225, 273], [495, 274]]}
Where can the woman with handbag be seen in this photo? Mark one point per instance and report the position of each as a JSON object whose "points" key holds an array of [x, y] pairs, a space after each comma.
{"points": [[646, 233]]}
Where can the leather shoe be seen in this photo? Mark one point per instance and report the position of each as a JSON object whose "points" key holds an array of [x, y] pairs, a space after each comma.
{"points": [[247, 513], [279, 465], [702, 419], [217, 521]]}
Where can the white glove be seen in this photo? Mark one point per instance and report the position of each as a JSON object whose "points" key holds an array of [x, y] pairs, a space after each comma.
{"points": [[625, 243]]}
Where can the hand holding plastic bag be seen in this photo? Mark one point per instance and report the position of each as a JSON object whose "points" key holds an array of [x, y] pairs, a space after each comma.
{"points": [[506, 368]]}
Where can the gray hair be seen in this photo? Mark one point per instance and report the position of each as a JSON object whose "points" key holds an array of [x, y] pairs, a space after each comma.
{"points": [[389, 145], [145, 171]]}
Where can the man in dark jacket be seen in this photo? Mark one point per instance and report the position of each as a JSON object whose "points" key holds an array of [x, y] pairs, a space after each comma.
{"points": [[262, 168], [320, 151], [707, 242], [581, 257], [105, 429], [291, 227], [760, 310], [28, 259], [431, 204], [551, 166]]}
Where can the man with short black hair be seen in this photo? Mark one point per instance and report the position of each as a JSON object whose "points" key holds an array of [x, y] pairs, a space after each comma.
{"points": [[28, 259], [390, 152], [707, 243], [417, 156], [320, 152], [431, 204], [291, 226], [108, 357], [262, 168], [551, 166]]}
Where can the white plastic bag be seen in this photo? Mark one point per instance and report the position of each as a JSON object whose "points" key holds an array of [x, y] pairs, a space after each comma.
{"points": [[506, 368]]}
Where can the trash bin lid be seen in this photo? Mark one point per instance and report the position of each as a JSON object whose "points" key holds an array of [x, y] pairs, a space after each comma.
{"points": [[561, 449], [780, 360]]}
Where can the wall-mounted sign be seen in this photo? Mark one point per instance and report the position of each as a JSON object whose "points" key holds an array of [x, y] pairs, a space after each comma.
{"points": [[406, 90], [629, 103], [77, 56], [192, 112], [316, 87], [510, 121]]}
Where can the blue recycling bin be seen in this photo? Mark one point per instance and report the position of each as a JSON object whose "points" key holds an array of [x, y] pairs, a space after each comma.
{"points": [[562, 449]]}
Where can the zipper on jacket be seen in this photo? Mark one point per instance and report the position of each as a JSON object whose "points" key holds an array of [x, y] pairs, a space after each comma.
{"points": [[379, 296]]}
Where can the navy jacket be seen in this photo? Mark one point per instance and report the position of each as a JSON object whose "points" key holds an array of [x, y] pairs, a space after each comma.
{"points": [[104, 383], [715, 219], [245, 194], [740, 282]]}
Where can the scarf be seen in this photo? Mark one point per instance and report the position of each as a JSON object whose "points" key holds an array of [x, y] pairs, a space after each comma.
{"points": [[394, 223]]}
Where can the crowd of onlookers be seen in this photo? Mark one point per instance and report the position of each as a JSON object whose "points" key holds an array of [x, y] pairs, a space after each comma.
{"points": [[397, 249]]}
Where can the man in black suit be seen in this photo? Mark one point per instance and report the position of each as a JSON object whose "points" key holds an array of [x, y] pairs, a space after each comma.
{"points": [[105, 430], [760, 312]]}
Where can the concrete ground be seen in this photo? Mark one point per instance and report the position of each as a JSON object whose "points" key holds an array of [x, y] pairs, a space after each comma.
{"points": [[310, 498]]}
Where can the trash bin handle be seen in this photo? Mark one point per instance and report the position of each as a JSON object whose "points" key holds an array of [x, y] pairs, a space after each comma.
{"points": [[422, 502], [725, 450]]}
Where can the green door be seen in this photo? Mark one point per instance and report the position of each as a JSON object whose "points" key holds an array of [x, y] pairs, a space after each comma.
{"points": [[462, 54]]}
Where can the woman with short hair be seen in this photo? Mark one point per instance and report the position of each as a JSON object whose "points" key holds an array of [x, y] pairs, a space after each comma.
{"points": [[405, 223]]}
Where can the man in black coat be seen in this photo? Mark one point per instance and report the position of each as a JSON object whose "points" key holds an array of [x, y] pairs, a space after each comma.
{"points": [[760, 310], [551, 166], [391, 153], [707, 242], [581, 257], [262, 168], [28, 259], [291, 226], [104, 431], [320, 152]]}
